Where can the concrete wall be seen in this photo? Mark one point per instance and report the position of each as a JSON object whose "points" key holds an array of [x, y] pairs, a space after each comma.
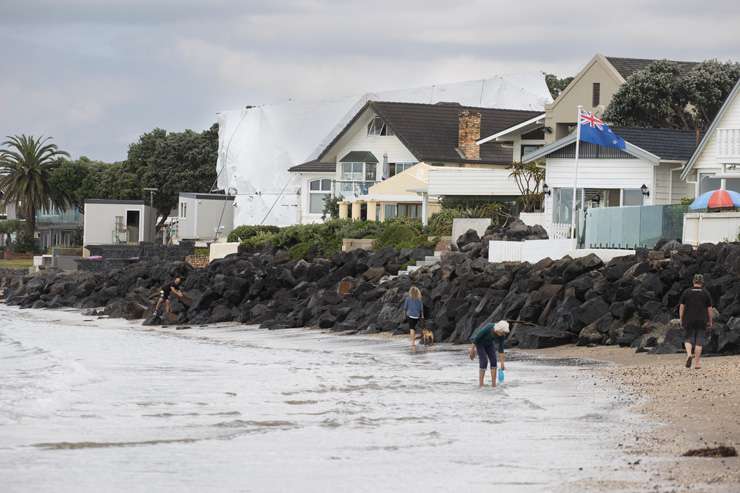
{"points": [[221, 250], [579, 92], [710, 227], [349, 244], [460, 226], [100, 222]]}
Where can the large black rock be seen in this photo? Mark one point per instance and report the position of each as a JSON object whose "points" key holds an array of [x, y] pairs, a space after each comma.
{"points": [[538, 337]]}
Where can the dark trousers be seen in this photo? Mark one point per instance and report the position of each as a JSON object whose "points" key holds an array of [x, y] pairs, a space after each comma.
{"points": [[486, 353]]}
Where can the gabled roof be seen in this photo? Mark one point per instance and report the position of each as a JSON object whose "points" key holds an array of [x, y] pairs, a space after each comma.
{"points": [[628, 66], [712, 128], [651, 144], [430, 131]]}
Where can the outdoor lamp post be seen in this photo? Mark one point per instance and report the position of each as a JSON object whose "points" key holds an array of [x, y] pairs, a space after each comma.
{"points": [[644, 190]]}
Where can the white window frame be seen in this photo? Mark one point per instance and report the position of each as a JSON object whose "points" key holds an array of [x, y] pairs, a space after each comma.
{"points": [[378, 126], [324, 189]]}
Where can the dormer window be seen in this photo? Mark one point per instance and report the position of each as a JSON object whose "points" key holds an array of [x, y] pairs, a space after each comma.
{"points": [[377, 126]]}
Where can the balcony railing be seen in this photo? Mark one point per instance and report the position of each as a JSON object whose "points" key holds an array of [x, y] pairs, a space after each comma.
{"points": [[351, 189], [728, 145]]}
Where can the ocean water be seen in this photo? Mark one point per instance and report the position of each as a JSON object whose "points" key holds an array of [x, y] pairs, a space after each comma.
{"points": [[108, 405]]}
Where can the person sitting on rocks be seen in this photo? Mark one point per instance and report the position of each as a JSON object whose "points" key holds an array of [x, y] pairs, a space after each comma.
{"points": [[695, 312], [168, 290], [483, 343], [414, 309]]}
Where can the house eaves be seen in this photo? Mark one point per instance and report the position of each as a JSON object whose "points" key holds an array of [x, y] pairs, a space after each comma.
{"points": [[545, 151], [712, 128], [521, 126]]}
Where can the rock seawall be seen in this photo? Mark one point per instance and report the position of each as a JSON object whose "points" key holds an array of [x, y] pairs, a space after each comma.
{"points": [[630, 301]]}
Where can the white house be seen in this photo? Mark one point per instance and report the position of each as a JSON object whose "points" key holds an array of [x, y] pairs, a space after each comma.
{"points": [[647, 172], [111, 222], [258, 145], [204, 217], [716, 162], [374, 163]]}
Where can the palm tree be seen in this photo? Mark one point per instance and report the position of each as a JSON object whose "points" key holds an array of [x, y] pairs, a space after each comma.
{"points": [[25, 166]]}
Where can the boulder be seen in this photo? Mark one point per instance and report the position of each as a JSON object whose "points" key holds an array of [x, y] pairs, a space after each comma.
{"points": [[468, 237], [590, 311], [538, 337]]}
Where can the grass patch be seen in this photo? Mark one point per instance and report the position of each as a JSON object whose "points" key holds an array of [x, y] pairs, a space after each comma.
{"points": [[21, 263]]}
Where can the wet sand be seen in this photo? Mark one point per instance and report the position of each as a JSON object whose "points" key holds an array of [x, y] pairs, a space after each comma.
{"points": [[693, 409]]}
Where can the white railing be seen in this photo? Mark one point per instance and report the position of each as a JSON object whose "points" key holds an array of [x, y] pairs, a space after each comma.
{"points": [[557, 231], [728, 145]]}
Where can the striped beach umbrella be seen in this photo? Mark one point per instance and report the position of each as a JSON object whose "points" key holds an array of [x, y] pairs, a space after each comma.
{"points": [[716, 199]]}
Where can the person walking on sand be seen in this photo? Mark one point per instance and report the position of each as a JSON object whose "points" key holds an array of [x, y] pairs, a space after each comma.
{"points": [[483, 343], [695, 312], [414, 309]]}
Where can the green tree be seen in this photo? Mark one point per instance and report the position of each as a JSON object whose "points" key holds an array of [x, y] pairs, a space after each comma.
{"points": [[556, 85], [664, 95], [708, 85], [25, 165], [529, 178], [652, 97], [174, 162], [87, 179]]}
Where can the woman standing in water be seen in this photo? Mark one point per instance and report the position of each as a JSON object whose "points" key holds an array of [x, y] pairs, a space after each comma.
{"points": [[483, 342], [414, 309]]}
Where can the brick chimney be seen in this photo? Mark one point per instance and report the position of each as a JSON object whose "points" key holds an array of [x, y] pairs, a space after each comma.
{"points": [[468, 132]]}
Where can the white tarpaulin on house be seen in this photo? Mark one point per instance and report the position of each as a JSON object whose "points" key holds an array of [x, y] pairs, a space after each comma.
{"points": [[258, 145]]}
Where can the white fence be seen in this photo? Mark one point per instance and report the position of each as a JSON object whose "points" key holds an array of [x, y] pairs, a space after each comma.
{"points": [[529, 251], [710, 227], [533, 251], [556, 231]]}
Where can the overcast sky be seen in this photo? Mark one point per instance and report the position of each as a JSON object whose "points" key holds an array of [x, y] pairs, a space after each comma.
{"points": [[95, 74]]}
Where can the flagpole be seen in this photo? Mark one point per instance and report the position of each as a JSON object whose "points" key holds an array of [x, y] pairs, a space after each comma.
{"points": [[575, 177]]}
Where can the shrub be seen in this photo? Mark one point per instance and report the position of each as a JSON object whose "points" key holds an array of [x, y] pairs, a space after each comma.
{"points": [[399, 235], [245, 232], [24, 244], [260, 240], [201, 251], [440, 223]]}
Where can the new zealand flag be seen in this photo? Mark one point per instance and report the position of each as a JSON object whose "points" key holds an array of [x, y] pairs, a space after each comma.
{"points": [[595, 131]]}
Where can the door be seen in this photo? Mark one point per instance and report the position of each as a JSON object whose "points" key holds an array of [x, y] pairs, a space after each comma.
{"points": [[133, 225]]}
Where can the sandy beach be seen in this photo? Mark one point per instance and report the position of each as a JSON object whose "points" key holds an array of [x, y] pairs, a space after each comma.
{"points": [[694, 409]]}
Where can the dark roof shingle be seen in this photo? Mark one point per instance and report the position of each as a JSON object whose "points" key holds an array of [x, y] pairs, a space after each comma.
{"points": [[628, 66], [667, 143], [430, 131], [314, 167]]}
